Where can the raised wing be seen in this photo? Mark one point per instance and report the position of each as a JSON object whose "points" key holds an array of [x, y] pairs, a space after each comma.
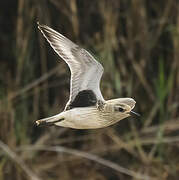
{"points": [[86, 72]]}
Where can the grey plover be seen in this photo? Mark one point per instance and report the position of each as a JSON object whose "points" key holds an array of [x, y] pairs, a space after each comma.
{"points": [[86, 108]]}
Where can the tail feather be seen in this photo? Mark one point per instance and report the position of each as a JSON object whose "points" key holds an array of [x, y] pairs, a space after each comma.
{"points": [[50, 120]]}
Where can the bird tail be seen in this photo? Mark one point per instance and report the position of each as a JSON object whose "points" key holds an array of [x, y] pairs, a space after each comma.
{"points": [[50, 120]]}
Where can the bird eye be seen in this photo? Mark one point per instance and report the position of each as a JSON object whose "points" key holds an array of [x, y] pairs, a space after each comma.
{"points": [[121, 109]]}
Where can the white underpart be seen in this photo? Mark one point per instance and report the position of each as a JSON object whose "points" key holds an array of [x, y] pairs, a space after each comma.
{"points": [[82, 118]]}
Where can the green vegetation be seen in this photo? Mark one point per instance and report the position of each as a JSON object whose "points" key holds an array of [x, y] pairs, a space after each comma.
{"points": [[138, 44]]}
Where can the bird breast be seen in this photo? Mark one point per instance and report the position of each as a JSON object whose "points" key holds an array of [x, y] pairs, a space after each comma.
{"points": [[86, 118]]}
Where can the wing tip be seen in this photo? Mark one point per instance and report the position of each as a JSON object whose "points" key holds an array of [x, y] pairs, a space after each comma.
{"points": [[42, 27]]}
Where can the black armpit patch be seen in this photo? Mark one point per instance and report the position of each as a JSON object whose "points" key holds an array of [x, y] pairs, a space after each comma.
{"points": [[84, 98]]}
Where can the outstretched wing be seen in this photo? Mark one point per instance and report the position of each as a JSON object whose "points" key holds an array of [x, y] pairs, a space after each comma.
{"points": [[86, 72]]}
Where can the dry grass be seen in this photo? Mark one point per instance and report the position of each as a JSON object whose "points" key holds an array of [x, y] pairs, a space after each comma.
{"points": [[138, 44]]}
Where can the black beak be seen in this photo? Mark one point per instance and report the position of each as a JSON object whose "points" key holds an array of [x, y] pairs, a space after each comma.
{"points": [[132, 112]]}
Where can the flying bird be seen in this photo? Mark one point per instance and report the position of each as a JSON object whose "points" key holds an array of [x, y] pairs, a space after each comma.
{"points": [[86, 108]]}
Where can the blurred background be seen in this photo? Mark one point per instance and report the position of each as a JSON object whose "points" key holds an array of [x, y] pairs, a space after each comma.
{"points": [[137, 42]]}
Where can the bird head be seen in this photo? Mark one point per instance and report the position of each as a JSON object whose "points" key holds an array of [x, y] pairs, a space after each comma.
{"points": [[121, 107]]}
